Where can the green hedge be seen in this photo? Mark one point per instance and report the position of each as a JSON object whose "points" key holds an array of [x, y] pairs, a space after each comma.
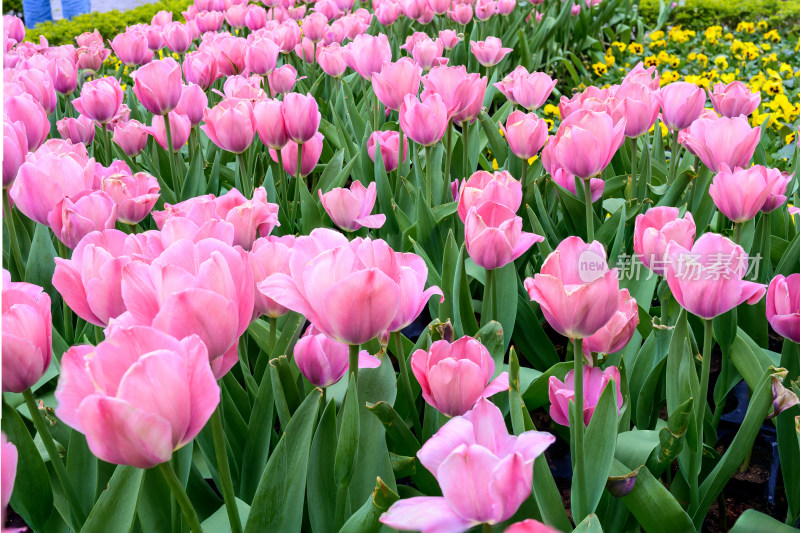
{"points": [[700, 14], [108, 24]]}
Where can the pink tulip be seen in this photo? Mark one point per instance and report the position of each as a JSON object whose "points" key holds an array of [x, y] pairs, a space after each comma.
{"points": [[270, 255], [332, 59], [454, 376], [682, 103], [530, 91], [30, 113], [640, 106], [314, 26], [485, 474], [131, 137], [244, 87], [489, 52], [350, 208], [595, 380], [459, 90], [311, 151], [131, 47], [616, 334], [576, 290], [485, 9], [15, 147], [287, 35], [367, 54], [180, 126], [644, 76], [193, 103], [734, 99], [655, 229], [57, 169], [230, 124], [567, 181], [718, 141], [77, 130], [396, 80], [8, 463], [92, 57], [777, 195], [255, 17], [461, 14], [472, 100], [177, 37], [37, 83], [262, 55], [234, 16], [586, 141], [282, 79], [364, 292], [427, 53], [14, 29], [389, 143], [270, 123], [525, 133], [76, 216], [115, 394], [200, 67], [708, 280], [203, 288], [209, 21], [424, 122], [783, 306], [231, 54], [155, 37], [301, 116], [741, 193], [64, 72], [100, 99], [324, 361], [439, 7], [483, 187], [158, 85], [530, 526], [494, 235], [27, 335], [506, 7], [134, 194], [449, 39]]}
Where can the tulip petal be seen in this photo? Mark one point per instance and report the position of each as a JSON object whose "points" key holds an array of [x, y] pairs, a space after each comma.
{"points": [[427, 514]]}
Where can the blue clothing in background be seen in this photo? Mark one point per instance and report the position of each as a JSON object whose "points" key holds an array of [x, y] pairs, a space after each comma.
{"points": [[37, 11]]}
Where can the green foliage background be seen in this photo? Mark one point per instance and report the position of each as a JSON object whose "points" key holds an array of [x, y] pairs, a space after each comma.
{"points": [[700, 14]]}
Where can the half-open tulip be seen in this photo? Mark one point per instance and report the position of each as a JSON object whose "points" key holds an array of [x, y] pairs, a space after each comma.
{"points": [[100, 99], [526, 134], [482, 187], [367, 54], [131, 137], [130, 47], [741, 193], [27, 334], [777, 195], [15, 148], [389, 144], [30, 113], [530, 525], [158, 85], [396, 80], [134, 194], [350, 208], [200, 67], [193, 103], [681, 104], [734, 99], [586, 141], [530, 90], [231, 124], [270, 123], [618, 331], [783, 306], [715, 141], [312, 150], [301, 116], [262, 55], [576, 290], [489, 52], [708, 280], [74, 217], [138, 396], [424, 122], [270, 255], [595, 380], [494, 236], [485, 474], [180, 128], [77, 130], [454, 376], [640, 106], [324, 361], [655, 229]]}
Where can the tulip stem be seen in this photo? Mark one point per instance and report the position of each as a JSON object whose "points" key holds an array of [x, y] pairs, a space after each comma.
{"points": [[486, 528], [489, 298], [587, 198], [737, 232], [399, 157], [524, 172], [705, 371], [55, 459], [401, 361], [354, 362], [375, 111], [273, 333], [448, 154], [180, 495], [284, 181], [465, 145], [673, 158], [106, 144], [224, 468], [244, 176], [429, 178], [577, 428], [766, 242], [298, 175], [66, 310], [176, 180], [12, 236], [633, 193]]}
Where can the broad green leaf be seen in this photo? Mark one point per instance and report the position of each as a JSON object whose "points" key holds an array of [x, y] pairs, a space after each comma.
{"points": [[349, 431], [279, 499], [219, 522], [753, 521], [82, 469], [397, 431], [365, 519], [590, 524], [321, 492], [116, 508], [491, 336], [259, 434], [41, 260]]}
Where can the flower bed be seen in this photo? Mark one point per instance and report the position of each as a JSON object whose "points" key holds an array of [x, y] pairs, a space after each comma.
{"points": [[352, 268]]}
